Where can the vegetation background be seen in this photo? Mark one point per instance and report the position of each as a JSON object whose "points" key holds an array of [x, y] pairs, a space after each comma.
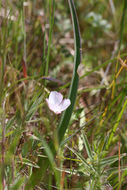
{"points": [[85, 147]]}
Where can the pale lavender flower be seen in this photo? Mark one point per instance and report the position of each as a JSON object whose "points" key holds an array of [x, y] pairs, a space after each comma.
{"points": [[56, 103]]}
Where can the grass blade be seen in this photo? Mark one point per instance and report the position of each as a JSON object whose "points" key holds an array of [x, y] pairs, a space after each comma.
{"points": [[110, 160], [117, 123], [51, 22], [64, 122], [43, 164], [87, 146], [18, 183], [87, 167], [122, 22]]}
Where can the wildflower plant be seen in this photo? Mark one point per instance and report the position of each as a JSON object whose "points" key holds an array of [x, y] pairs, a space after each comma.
{"points": [[82, 144]]}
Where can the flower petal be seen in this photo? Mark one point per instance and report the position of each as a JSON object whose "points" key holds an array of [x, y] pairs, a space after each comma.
{"points": [[56, 103], [53, 107], [55, 98], [64, 105]]}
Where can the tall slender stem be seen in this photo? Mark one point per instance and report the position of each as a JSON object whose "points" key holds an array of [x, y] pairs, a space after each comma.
{"points": [[3, 146]]}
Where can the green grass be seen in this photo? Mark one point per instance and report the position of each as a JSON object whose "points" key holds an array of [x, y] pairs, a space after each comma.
{"points": [[40, 51]]}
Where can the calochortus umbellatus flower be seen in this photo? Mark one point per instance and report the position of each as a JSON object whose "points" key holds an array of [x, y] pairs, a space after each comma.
{"points": [[56, 103]]}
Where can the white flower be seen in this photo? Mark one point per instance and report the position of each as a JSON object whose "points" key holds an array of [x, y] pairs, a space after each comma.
{"points": [[56, 103]]}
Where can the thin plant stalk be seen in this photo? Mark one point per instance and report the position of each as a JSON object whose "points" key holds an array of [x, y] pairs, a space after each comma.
{"points": [[119, 163], [3, 147], [51, 23], [122, 23]]}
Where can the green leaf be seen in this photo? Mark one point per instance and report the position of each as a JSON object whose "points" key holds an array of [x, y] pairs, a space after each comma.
{"points": [[29, 163], [88, 167], [38, 173], [87, 146], [17, 184], [110, 160], [117, 123], [33, 107], [43, 163], [64, 122]]}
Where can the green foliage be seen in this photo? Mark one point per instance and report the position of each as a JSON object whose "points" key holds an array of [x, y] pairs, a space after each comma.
{"points": [[85, 147], [74, 84], [95, 167]]}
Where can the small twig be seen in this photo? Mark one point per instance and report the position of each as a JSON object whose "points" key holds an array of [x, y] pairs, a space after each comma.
{"points": [[24, 68], [123, 63], [118, 73], [62, 180]]}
